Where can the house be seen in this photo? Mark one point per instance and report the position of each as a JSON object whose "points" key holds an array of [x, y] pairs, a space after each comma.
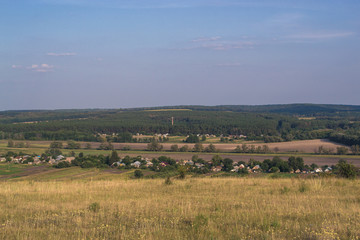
{"points": [[199, 165], [235, 169], [2, 159], [298, 171], [136, 164], [52, 161], [257, 167], [17, 159], [328, 169], [318, 170], [216, 169], [118, 164], [69, 159], [163, 164], [189, 162], [149, 163], [241, 166], [60, 157]]}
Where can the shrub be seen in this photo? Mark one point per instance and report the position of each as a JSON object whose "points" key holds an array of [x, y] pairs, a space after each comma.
{"points": [[303, 187], [94, 207], [284, 190], [138, 174], [346, 170], [63, 165], [182, 172], [168, 181]]}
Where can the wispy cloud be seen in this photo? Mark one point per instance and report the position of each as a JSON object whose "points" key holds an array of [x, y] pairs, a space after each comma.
{"points": [[218, 43], [206, 39], [61, 54], [320, 35], [41, 68], [16, 66], [221, 46]]}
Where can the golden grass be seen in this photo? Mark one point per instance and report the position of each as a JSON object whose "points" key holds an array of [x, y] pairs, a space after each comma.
{"points": [[195, 208]]}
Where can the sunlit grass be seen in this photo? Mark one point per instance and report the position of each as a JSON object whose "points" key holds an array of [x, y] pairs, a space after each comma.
{"points": [[204, 208]]}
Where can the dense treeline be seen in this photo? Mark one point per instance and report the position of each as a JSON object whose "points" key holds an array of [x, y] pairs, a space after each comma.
{"points": [[87, 125]]}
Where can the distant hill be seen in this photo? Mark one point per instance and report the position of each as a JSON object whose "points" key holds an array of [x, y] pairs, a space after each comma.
{"points": [[294, 109]]}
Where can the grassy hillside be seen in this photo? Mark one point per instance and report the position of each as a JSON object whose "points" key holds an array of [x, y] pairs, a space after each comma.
{"points": [[196, 208]]}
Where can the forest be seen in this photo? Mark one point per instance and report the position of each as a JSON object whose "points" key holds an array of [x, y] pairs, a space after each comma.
{"points": [[268, 123]]}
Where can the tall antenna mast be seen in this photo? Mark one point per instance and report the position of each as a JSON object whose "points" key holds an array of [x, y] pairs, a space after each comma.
{"points": [[172, 121]]}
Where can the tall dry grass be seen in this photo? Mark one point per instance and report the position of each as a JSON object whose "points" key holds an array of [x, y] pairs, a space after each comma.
{"points": [[206, 208]]}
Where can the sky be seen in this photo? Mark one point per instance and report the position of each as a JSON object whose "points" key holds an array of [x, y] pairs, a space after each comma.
{"points": [[70, 54]]}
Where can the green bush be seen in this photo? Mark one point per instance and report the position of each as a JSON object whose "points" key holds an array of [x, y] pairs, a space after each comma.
{"points": [[94, 207], [138, 174]]}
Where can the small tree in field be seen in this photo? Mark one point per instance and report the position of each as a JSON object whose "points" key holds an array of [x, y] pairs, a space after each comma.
{"points": [[174, 148], [10, 143], [182, 172], [138, 174], [154, 146], [346, 169]]}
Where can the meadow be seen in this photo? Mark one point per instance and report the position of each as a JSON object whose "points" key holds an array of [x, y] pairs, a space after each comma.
{"points": [[114, 206]]}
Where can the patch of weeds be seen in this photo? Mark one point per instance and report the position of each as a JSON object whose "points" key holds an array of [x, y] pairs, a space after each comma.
{"points": [[275, 224], [94, 207], [200, 221], [284, 190], [168, 181], [303, 187]]}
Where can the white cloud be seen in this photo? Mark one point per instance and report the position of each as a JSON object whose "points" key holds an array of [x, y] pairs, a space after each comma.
{"points": [[41, 68], [17, 66], [61, 54], [208, 39], [219, 44]]}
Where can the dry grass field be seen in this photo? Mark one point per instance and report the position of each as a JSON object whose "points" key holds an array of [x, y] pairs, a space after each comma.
{"points": [[195, 208], [303, 146]]}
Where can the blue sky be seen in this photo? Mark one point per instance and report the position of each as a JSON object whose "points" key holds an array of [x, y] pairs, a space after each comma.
{"points": [[136, 53]]}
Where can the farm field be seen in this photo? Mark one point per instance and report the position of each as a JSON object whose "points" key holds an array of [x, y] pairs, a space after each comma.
{"points": [[138, 149], [302, 146], [111, 206]]}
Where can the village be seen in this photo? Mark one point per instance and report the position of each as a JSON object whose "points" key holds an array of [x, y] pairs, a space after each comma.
{"points": [[163, 163]]}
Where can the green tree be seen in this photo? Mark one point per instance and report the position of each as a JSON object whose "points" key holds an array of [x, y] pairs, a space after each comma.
{"points": [[72, 145], [56, 144], [210, 148], [114, 157], [174, 148], [342, 150], [228, 164], [10, 143], [182, 172], [138, 174], [346, 170], [216, 160], [355, 149], [154, 146], [192, 139], [198, 147], [238, 149], [184, 148], [296, 163]]}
